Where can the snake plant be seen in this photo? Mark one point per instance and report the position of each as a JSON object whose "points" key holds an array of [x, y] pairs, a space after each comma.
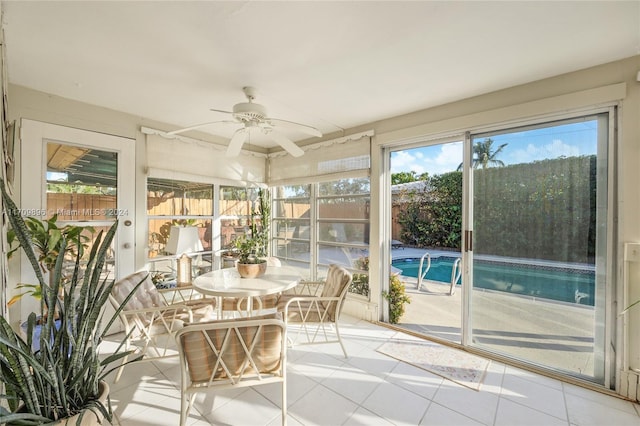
{"points": [[61, 379]]}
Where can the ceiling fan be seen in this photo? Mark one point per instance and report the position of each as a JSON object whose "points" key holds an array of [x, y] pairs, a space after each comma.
{"points": [[254, 117]]}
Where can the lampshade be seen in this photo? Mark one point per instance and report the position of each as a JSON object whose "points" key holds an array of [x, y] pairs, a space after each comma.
{"points": [[183, 239]]}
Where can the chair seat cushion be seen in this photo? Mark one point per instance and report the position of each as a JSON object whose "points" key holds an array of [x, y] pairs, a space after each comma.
{"points": [[159, 328], [146, 295], [203, 311]]}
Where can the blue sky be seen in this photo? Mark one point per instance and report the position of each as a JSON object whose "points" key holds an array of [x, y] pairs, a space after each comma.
{"points": [[526, 146]]}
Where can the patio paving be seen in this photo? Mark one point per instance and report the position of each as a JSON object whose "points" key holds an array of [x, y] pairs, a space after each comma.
{"points": [[550, 333]]}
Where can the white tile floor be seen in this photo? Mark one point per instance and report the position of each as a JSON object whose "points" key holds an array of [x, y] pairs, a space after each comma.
{"points": [[368, 388]]}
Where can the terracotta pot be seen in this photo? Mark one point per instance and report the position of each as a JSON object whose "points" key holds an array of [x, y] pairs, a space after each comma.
{"points": [[251, 270]]}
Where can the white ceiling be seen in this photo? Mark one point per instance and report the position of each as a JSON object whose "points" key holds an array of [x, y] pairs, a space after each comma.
{"points": [[332, 65]]}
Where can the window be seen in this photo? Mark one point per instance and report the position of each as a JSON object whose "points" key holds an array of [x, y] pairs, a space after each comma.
{"points": [[343, 221], [180, 218], [238, 207], [322, 224], [291, 230]]}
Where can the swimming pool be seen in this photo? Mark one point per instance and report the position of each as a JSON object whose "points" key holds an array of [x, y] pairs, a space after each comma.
{"points": [[575, 285], [440, 268]]}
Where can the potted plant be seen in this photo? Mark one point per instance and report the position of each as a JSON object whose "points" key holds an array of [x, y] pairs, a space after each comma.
{"points": [[249, 264], [46, 237], [63, 380], [251, 248]]}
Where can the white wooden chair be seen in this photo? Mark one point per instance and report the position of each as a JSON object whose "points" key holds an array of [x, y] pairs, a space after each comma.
{"points": [[231, 354], [151, 317], [315, 306]]}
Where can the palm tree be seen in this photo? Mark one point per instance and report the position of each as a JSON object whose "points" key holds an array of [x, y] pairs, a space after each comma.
{"points": [[484, 156]]}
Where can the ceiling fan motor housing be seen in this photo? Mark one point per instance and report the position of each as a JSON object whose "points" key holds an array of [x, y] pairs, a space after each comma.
{"points": [[249, 111]]}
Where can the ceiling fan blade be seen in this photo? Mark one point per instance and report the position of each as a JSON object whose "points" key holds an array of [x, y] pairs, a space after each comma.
{"points": [[219, 110], [287, 144], [295, 126], [237, 140], [197, 126]]}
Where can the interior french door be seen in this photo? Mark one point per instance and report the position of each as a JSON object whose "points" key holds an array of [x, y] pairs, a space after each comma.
{"points": [[539, 254], [83, 177]]}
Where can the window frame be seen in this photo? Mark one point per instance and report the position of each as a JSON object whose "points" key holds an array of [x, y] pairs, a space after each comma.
{"points": [[166, 263], [316, 265]]}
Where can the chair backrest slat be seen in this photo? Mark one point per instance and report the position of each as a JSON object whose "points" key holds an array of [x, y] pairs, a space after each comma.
{"points": [[232, 353], [231, 350]]}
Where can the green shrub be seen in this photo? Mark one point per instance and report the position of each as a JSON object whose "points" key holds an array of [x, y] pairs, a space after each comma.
{"points": [[397, 298], [432, 217], [520, 210]]}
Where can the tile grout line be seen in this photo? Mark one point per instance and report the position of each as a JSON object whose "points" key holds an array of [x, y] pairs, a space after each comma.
{"points": [[566, 404], [502, 379], [501, 397]]}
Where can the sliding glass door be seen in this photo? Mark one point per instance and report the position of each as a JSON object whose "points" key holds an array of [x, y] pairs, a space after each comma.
{"points": [[426, 225], [538, 253]]}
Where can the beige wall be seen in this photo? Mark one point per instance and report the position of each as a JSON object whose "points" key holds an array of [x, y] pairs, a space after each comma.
{"points": [[553, 95]]}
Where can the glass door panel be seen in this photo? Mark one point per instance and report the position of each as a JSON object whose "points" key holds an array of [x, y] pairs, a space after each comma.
{"points": [[82, 187], [539, 242], [425, 243]]}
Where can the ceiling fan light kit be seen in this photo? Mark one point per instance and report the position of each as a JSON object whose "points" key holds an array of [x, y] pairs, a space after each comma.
{"points": [[254, 116]]}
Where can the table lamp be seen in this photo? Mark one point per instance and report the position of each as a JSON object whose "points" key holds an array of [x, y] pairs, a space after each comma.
{"points": [[182, 240]]}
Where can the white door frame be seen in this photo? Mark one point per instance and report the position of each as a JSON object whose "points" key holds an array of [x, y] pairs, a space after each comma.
{"points": [[34, 137]]}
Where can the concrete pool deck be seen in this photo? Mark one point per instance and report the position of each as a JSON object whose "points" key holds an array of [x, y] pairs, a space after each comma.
{"points": [[552, 334], [558, 335]]}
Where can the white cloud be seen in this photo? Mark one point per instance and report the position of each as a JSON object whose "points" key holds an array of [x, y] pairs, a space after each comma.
{"points": [[450, 157], [435, 160], [531, 153], [404, 161]]}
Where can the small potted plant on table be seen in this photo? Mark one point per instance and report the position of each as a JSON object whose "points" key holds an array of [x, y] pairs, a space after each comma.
{"points": [[251, 248], [250, 264]]}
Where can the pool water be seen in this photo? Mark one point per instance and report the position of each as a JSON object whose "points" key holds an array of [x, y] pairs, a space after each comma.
{"points": [[440, 268], [562, 284]]}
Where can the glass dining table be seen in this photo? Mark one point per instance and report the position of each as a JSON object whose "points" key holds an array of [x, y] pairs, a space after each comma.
{"points": [[228, 283]]}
